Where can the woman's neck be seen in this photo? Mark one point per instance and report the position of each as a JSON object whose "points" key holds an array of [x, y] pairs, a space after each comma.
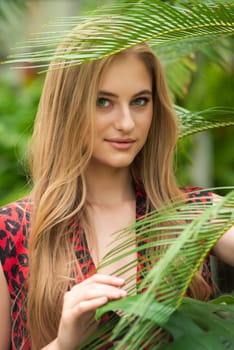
{"points": [[109, 186]]}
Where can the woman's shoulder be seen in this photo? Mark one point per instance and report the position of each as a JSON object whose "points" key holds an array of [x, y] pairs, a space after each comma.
{"points": [[198, 194], [15, 213], [14, 220]]}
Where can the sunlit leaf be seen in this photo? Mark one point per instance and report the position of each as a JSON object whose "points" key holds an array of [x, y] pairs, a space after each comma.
{"points": [[114, 28]]}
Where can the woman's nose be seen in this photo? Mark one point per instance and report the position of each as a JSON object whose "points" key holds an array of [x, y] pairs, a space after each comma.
{"points": [[124, 119]]}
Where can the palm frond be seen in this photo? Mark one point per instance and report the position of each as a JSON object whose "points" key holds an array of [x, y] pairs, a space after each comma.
{"points": [[195, 325], [115, 28], [202, 325], [170, 53], [179, 75], [193, 122], [185, 234], [179, 68]]}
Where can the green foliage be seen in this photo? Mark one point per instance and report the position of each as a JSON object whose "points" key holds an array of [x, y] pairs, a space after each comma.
{"points": [[11, 13], [193, 122], [18, 105], [179, 251], [9, 9], [195, 325], [174, 32], [212, 85]]}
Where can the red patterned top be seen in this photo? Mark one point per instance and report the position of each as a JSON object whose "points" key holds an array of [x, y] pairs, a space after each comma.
{"points": [[14, 230]]}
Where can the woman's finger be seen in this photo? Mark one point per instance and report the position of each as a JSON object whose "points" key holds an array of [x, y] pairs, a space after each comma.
{"points": [[90, 305], [92, 291], [105, 279], [71, 315]]}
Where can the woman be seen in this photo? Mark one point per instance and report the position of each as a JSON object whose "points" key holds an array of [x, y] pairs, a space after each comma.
{"points": [[101, 156]]}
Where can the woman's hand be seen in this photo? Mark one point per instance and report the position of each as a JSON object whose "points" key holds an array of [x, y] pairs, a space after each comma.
{"points": [[80, 303]]}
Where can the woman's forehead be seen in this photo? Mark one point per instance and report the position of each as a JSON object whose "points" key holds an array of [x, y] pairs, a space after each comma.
{"points": [[123, 70]]}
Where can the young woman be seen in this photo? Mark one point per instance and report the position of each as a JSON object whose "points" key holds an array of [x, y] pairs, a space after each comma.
{"points": [[101, 156]]}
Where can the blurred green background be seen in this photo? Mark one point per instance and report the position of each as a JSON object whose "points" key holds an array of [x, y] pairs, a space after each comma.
{"points": [[206, 159]]}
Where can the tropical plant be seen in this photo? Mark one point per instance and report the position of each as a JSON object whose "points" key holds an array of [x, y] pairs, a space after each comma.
{"points": [[19, 96], [163, 312], [174, 33], [18, 105]]}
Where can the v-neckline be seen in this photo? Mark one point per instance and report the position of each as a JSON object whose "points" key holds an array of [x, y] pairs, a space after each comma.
{"points": [[82, 251]]}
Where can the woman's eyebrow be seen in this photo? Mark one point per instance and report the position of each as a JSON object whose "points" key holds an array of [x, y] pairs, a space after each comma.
{"points": [[111, 94], [107, 93], [143, 92]]}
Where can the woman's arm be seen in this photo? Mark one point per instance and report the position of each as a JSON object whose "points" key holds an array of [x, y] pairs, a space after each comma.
{"points": [[5, 313], [224, 248]]}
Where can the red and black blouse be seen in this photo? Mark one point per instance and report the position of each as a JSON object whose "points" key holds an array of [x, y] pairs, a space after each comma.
{"points": [[14, 232]]}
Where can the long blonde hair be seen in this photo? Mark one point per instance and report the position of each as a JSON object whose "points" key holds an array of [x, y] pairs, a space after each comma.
{"points": [[61, 148]]}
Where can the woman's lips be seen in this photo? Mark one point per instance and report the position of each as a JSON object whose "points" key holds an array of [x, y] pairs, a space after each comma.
{"points": [[121, 143]]}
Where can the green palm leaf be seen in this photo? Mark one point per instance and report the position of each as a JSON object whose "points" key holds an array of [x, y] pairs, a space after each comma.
{"points": [[112, 29], [193, 122], [183, 246], [195, 325], [179, 69], [173, 32], [202, 325], [170, 52]]}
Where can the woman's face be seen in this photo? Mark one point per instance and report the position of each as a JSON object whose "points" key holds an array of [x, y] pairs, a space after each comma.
{"points": [[124, 110]]}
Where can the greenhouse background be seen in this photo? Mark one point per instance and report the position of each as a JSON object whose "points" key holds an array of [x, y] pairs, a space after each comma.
{"points": [[206, 159]]}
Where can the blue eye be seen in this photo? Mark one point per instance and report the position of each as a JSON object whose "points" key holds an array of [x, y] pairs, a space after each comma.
{"points": [[103, 102], [141, 101]]}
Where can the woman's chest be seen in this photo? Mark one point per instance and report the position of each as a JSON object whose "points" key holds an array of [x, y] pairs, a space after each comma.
{"points": [[115, 241]]}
